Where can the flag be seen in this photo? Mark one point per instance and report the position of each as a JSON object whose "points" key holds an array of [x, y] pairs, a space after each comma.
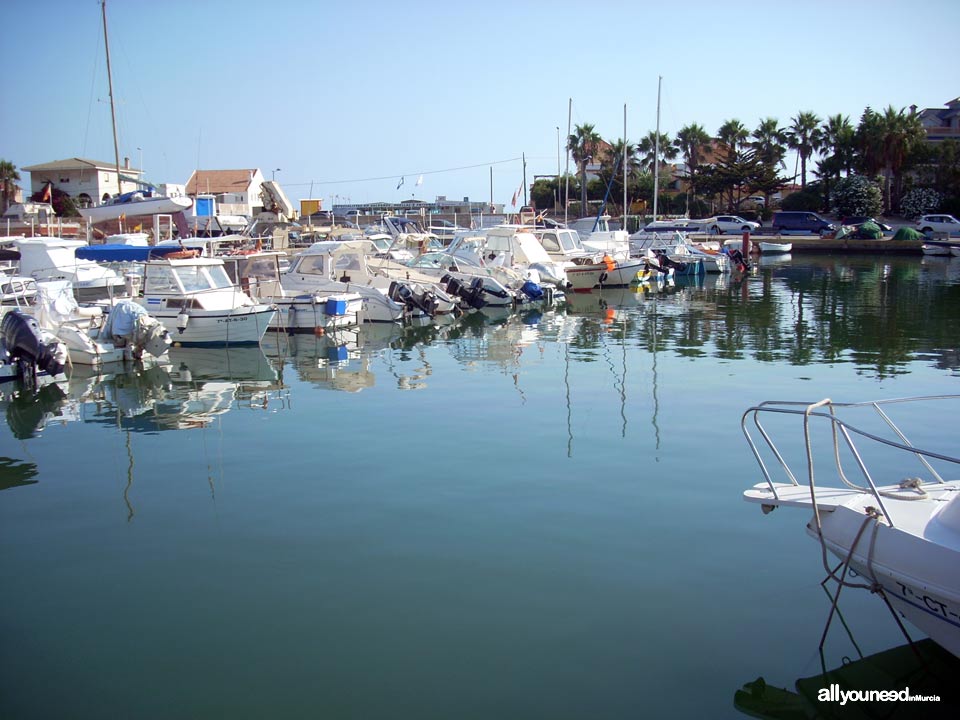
{"points": [[517, 194], [420, 180], [46, 193], [123, 216], [400, 183]]}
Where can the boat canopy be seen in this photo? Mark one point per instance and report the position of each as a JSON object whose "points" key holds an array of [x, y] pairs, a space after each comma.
{"points": [[118, 252]]}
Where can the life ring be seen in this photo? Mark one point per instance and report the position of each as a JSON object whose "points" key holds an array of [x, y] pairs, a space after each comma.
{"points": [[182, 254]]}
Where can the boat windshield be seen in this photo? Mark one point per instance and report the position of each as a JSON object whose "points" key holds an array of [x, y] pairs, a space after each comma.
{"points": [[197, 278]]}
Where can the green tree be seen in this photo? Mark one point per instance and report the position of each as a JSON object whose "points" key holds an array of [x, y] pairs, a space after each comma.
{"points": [[648, 146], [856, 195], [611, 168], [734, 135], [692, 142], [769, 142], [9, 177], [583, 144], [804, 136]]}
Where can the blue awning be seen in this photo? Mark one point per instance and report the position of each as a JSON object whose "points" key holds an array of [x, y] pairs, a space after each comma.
{"points": [[123, 253]]}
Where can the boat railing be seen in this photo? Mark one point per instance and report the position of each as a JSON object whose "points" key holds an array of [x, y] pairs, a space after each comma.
{"points": [[843, 435]]}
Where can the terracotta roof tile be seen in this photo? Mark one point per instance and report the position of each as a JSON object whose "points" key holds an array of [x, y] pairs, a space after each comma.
{"points": [[215, 182]]}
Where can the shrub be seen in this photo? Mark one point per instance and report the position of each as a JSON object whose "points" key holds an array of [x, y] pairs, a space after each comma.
{"points": [[856, 195], [920, 201], [809, 199]]}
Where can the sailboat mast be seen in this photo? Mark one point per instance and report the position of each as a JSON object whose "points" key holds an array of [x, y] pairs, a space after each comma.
{"points": [[113, 109], [656, 154], [623, 222], [566, 195]]}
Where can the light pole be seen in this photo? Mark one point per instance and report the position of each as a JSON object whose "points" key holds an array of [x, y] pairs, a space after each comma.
{"points": [[140, 150], [273, 174]]}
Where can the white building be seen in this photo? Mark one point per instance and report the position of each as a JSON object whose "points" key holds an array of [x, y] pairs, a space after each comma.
{"points": [[237, 192], [88, 182]]}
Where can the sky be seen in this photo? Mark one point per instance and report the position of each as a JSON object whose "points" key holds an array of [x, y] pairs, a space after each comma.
{"points": [[344, 100]]}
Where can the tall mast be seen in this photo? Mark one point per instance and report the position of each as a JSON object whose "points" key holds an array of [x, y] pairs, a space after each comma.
{"points": [[656, 154], [623, 222], [566, 195], [113, 110]]}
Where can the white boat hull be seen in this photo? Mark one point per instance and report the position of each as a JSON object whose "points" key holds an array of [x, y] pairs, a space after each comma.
{"points": [[310, 313], [135, 208], [240, 326]]}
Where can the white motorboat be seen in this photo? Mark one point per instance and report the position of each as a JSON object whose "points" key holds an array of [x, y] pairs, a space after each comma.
{"points": [[93, 338], [513, 247], [330, 266], [479, 285], [134, 204], [55, 259], [589, 268], [257, 273], [191, 296], [886, 510], [764, 247]]}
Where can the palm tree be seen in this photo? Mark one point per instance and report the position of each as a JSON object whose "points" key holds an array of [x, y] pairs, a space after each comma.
{"points": [[734, 136], [837, 148], [611, 161], [8, 179], [647, 149], [804, 136], [869, 142], [769, 141], [837, 140], [902, 135], [583, 145], [692, 141]]}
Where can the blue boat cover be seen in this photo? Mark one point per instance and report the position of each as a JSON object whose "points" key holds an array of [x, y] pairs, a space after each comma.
{"points": [[123, 253]]}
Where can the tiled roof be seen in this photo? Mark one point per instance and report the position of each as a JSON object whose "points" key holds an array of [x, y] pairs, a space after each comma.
{"points": [[215, 182], [75, 164]]}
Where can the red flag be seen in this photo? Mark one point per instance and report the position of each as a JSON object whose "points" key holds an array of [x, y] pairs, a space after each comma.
{"points": [[46, 193], [517, 195]]}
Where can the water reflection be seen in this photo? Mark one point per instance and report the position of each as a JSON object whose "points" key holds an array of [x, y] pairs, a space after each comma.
{"points": [[878, 314], [187, 389], [920, 669], [16, 473]]}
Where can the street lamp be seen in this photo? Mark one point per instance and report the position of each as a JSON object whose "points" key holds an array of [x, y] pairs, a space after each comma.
{"points": [[140, 150], [273, 174]]}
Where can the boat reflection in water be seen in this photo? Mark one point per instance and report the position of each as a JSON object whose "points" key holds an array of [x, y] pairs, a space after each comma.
{"points": [[336, 361], [923, 669], [186, 389]]}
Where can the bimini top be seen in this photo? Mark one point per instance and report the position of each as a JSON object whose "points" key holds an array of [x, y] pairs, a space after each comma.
{"points": [[124, 253]]}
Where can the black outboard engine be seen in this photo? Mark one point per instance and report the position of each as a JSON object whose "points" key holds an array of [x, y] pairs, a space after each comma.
{"points": [[738, 260], [472, 295], [25, 344], [401, 293]]}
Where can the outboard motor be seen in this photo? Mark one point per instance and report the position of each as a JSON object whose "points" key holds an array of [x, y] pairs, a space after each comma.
{"points": [[27, 346], [738, 260], [398, 292]]}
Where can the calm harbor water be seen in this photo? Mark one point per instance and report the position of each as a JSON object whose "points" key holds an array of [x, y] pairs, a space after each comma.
{"points": [[534, 516]]}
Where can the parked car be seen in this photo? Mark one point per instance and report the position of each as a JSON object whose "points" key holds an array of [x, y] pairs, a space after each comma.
{"points": [[857, 220], [929, 224], [801, 221], [729, 224]]}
